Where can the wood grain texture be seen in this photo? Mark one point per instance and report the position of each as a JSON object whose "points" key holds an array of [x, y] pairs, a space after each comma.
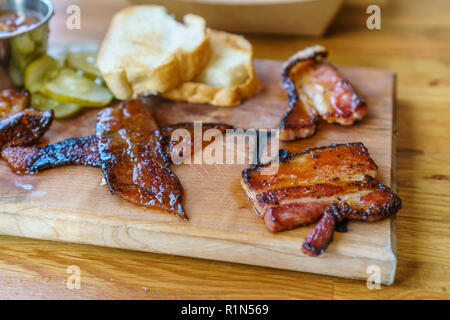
{"points": [[414, 41], [222, 225]]}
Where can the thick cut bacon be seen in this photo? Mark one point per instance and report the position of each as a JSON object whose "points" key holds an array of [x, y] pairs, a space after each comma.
{"points": [[84, 150], [24, 128], [315, 88], [329, 184], [313, 166], [132, 159], [12, 102]]}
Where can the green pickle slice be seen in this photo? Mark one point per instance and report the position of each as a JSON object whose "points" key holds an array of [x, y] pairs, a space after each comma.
{"points": [[62, 110], [24, 49], [36, 73], [68, 86], [84, 61]]}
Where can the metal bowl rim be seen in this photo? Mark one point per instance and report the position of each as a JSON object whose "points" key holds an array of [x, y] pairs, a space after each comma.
{"points": [[43, 21]]}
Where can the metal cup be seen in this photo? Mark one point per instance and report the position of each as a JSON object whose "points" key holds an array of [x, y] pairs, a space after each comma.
{"points": [[19, 48]]}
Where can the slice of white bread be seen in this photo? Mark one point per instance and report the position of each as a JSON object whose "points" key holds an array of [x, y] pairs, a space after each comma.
{"points": [[228, 78], [147, 51]]}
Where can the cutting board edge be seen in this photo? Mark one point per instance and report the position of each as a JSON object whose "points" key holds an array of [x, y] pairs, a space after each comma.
{"points": [[129, 237]]}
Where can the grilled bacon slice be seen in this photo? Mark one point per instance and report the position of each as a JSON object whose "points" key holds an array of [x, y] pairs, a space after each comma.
{"points": [[24, 128], [312, 166], [316, 89], [74, 151], [132, 159], [301, 120], [329, 184], [84, 150], [12, 102]]}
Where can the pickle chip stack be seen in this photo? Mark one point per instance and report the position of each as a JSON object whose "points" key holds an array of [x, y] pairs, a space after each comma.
{"points": [[68, 85]]}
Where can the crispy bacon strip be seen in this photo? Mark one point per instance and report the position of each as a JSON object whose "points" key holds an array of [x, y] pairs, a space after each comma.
{"points": [[315, 88], [329, 184], [84, 151], [132, 159], [12, 102], [75, 151], [24, 128]]}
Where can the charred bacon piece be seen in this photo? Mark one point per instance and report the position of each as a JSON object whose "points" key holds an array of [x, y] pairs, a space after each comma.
{"points": [[75, 151], [329, 184], [132, 159], [84, 150], [315, 88], [12, 102], [24, 128]]}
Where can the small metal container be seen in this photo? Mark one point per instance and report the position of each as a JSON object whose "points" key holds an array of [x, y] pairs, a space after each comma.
{"points": [[20, 47]]}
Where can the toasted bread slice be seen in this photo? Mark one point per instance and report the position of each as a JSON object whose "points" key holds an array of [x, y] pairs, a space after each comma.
{"points": [[228, 78], [147, 51]]}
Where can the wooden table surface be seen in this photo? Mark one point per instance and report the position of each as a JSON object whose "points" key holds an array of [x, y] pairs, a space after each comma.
{"points": [[414, 41]]}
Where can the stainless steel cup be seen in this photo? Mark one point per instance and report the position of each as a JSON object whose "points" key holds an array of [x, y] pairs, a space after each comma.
{"points": [[19, 48]]}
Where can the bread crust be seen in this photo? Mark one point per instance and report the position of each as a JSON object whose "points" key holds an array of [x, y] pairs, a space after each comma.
{"points": [[178, 67], [195, 92]]}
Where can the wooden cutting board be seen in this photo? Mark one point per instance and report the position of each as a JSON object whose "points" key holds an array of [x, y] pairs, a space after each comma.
{"points": [[71, 204]]}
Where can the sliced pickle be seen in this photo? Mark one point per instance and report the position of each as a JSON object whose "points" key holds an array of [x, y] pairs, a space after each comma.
{"points": [[68, 86], [23, 50], [36, 74], [62, 110], [24, 44], [59, 51], [84, 61]]}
